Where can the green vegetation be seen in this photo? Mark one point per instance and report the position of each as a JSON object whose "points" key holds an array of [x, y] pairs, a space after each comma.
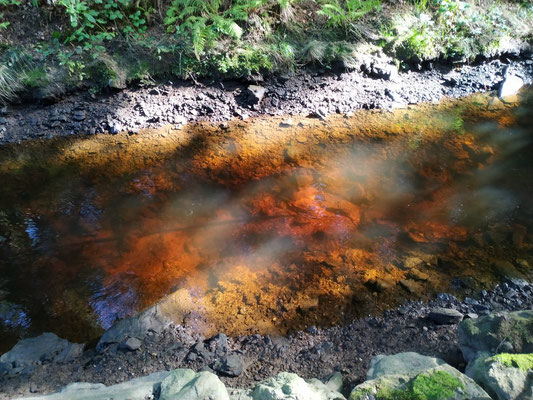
{"points": [[438, 385], [520, 361], [434, 386], [108, 43]]}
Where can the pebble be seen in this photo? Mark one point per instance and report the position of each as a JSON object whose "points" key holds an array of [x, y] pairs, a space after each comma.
{"points": [[131, 344]]}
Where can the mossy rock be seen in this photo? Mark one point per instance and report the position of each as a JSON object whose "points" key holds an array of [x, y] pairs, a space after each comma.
{"points": [[504, 376], [511, 332], [411, 376]]}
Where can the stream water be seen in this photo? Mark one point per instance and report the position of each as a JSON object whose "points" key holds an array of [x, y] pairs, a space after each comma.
{"points": [[270, 227]]}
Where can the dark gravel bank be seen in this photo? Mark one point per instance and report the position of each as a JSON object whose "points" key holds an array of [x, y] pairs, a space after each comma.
{"points": [[374, 86]]}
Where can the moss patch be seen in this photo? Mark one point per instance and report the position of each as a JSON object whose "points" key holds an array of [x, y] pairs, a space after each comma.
{"points": [[523, 362], [438, 385]]}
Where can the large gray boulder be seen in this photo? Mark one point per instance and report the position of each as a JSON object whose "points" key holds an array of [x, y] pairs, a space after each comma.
{"points": [[504, 376], [46, 347], [288, 386], [185, 384], [136, 389], [510, 332], [411, 375]]}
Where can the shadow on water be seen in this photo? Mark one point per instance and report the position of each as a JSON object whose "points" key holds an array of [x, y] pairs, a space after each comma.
{"points": [[269, 229]]}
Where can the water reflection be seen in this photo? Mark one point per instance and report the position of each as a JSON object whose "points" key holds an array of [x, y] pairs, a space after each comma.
{"points": [[269, 229]]}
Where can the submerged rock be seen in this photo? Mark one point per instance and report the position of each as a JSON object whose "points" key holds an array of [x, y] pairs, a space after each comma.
{"points": [[512, 331], [136, 327], [46, 347], [411, 375], [504, 376], [172, 308]]}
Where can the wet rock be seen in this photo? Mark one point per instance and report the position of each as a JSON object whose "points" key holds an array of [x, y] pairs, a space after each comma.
{"points": [[402, 373], [410, 286], [137, 327], [136, 389], [130, 344], [3, 121], [516, 283], [231, 365], [445, 316], [504, 376], [519, 236], [487, 334], [381, 284], [46, 347], [418, 275], [185, 384]]}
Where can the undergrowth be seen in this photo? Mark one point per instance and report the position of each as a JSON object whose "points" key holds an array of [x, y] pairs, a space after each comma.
{"points": [[109, 43]]}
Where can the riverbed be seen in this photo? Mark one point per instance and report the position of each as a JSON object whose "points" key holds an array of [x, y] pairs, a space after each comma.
{"points": [[272, 224]]}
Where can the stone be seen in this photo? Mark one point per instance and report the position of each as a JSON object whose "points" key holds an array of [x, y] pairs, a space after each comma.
{"points": [[78, 115], [288, 386], [504, 376], [385, 71], [137, 327], [445, 316], [410, 286], [130, 344], [417, 275], [286, 123], [231, 365], [334, 382], [398, 364], [219, 344], [411, 375], [505, 269], [135, 389], [199, 349], [487, 334], [510, 86], [46, 347], [185, 384], [255, 94]]}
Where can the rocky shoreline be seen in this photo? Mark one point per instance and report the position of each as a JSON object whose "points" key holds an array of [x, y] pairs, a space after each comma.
{"points": [[246, 360], [375, 85]]}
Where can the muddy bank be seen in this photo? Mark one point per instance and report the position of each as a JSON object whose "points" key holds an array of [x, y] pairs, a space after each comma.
{"points": [[314, 353], [319, 93]]}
